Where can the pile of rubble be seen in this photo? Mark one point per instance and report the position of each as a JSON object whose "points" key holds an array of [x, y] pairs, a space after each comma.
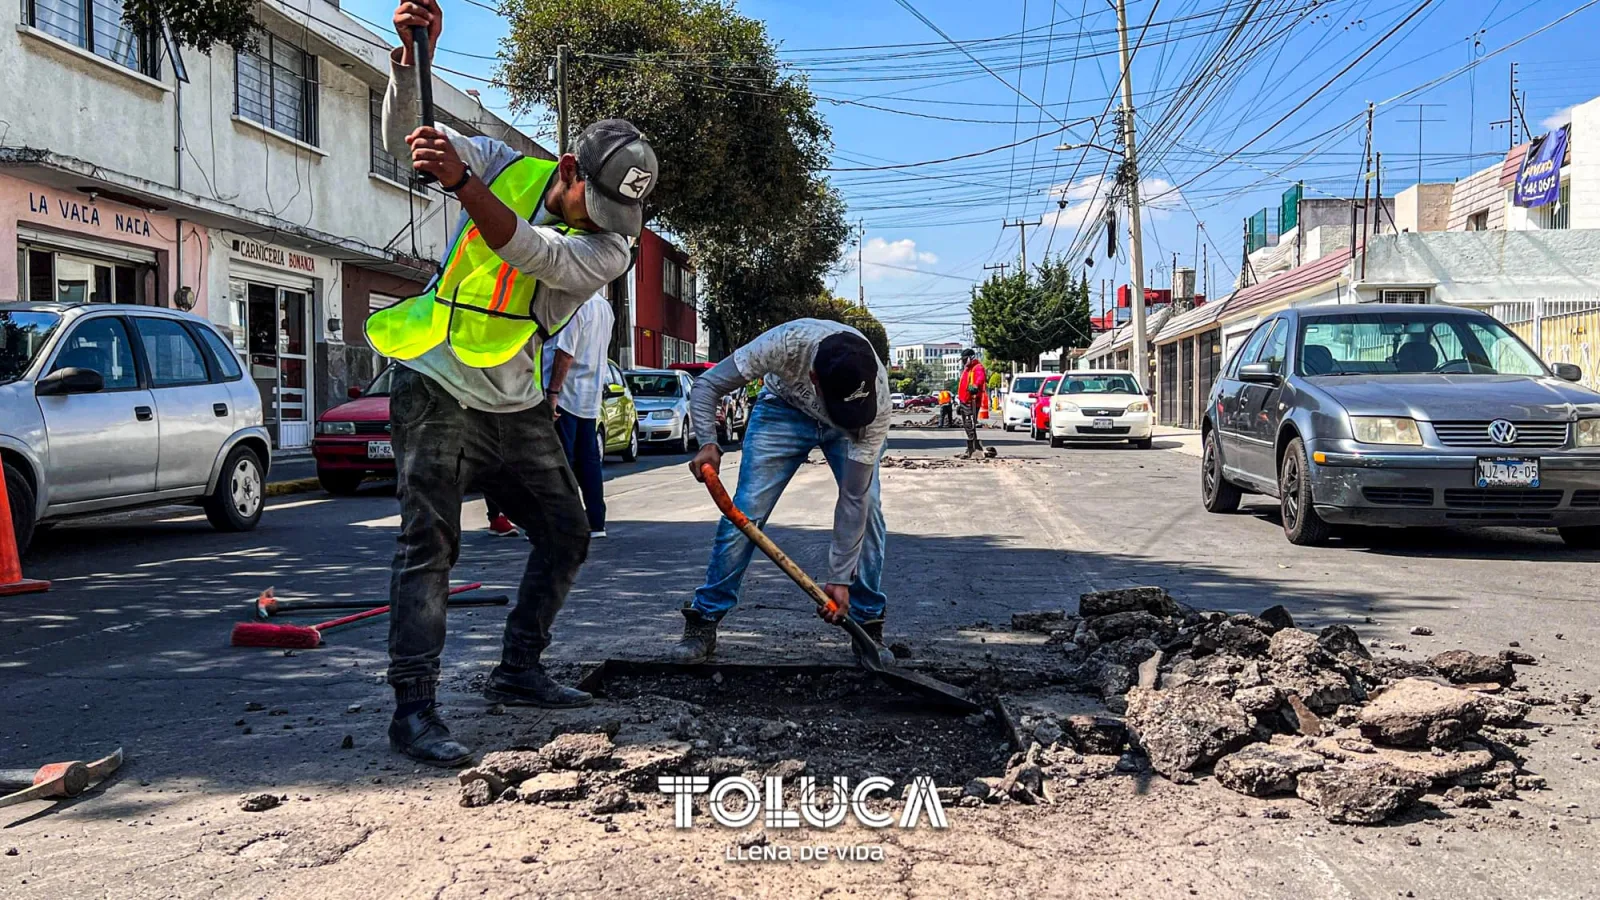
{"points": [[930, 422], [1272, 709], [571, 767]]}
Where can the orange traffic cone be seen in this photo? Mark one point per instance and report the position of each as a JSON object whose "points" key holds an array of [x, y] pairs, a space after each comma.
{"points": [[11, 580]]}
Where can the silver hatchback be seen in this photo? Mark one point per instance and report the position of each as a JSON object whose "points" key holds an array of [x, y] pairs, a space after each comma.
{"points": [[109, 407]]}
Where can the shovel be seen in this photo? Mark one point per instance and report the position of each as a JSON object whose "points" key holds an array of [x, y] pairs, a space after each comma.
{"points": [[867, 652]]}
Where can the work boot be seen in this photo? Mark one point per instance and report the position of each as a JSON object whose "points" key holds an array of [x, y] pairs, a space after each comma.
{"points": [[423, 736], [990, 452], [699, 639], [874, 629], [532, 687]]}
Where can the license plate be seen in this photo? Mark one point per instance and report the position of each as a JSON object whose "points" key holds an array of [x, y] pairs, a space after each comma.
{"points": [[1506, 471], [380, 450], [1104, 423]]}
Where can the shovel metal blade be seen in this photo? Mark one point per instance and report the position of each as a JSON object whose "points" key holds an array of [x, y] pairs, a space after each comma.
{"points": [[870, 656]]}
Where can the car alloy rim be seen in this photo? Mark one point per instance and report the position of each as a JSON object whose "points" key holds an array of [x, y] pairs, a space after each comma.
{"points": [[245, 487], [1209, 480], [600, 442], [633, 442], [1291, 491]]}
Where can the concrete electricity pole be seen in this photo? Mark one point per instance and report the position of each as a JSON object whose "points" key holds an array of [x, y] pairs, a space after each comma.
{"points": [[1141, 354], [861, 242], [1023, 226]]}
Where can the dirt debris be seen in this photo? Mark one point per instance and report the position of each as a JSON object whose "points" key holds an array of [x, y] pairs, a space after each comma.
{"points": [[260, 802]]}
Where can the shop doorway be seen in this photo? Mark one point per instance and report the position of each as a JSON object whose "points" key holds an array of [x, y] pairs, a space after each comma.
{"points": [[276, 322]]}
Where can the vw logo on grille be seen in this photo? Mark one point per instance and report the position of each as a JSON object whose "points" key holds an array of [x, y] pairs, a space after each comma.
{"points": [[1502, 432]]}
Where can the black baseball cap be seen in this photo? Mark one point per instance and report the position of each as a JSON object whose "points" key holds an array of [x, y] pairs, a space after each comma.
{"points": [[619, 171], [847, 378]]}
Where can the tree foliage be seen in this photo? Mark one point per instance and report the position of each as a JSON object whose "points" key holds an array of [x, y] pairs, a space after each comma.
{"points": [[917, 377], [196, 23], [1018, 317], [838, 309]]}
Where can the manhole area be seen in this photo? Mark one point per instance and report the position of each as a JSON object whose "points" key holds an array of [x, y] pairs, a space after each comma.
{"points": [[840, 723]]}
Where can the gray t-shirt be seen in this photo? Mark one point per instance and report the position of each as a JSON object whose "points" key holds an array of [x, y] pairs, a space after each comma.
{"points": [[569, 268]]}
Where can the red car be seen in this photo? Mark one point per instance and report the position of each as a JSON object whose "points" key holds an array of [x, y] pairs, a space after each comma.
{"points": [[1041, 408], [352, 439]]}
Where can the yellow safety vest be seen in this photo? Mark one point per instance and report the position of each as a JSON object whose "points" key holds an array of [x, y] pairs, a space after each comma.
{"points": [[481, 305]]}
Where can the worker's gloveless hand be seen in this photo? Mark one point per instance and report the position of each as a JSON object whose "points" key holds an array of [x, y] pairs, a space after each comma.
{"points": [[840, 595], [412, 13], [709, 455], [431, 152]]}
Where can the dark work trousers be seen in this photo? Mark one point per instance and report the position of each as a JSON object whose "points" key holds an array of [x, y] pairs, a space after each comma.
{"points": [[969, 421], [440, 449], [945, 418], [580, 438]]}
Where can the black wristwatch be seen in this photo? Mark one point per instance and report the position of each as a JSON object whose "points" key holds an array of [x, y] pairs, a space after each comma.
{"points": [[466, 176]]}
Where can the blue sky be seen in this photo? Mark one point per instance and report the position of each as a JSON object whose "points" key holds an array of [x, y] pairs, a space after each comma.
{"points": [[894, 104]]}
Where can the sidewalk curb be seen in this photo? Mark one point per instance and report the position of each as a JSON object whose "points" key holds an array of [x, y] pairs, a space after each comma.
{"points": [[298, 486]]}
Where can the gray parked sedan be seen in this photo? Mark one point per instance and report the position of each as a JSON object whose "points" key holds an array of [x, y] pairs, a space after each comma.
{"points": [[108, 407], [1402, 415]]}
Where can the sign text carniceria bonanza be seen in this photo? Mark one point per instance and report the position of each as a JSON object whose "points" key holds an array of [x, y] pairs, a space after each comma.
{"points": [[1539, 179], [275, 256], [820, 809]]}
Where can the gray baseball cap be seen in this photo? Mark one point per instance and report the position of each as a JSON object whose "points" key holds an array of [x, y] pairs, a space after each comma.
{"points": [[619, 170]]}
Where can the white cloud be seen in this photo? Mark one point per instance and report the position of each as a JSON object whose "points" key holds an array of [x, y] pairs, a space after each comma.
{"points": [[902, 254], [1560, 117], [1086, 201]]}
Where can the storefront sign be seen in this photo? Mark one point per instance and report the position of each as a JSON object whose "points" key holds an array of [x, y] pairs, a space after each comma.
{"points": [[275, 256], [1539, 181], [86, 215]]}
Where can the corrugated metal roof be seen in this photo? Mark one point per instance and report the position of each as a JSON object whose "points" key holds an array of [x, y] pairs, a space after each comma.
{"points": [[1291, 282], [1198, 317]]}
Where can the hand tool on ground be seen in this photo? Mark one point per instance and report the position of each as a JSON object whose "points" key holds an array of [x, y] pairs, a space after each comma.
{"points": [[866, 650], [268, 605], [422, 57], [55, 780], [302, 637]]}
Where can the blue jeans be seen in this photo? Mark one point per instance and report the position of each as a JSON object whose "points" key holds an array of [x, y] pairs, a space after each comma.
{"points": [[578, 437], [776, 444]]}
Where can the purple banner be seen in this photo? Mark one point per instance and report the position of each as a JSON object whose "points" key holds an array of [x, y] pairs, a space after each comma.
{"points": [[1539, 180]]}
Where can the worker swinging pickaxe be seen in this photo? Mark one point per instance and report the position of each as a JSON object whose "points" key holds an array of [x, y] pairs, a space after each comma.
{"points": [[55, 781]]}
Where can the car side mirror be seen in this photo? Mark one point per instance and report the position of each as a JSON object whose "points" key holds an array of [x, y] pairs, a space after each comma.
{"points": [[1567, 372], [614, 390], [71, 380], [1259, 373], [354, 393]]}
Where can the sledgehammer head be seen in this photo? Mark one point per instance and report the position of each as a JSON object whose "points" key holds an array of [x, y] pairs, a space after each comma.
{"points": [[283, 637], [266, 604]]}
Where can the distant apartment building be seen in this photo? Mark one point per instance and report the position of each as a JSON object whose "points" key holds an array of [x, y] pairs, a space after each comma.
{"points": [[943, 358]]}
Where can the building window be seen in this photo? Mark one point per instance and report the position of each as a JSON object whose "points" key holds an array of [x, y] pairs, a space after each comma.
{"points": [[47, 276], [277, 87], [384, 163], [1554, 216], [96, 26], [1478, 221], [1409, 295], [670, 275]]}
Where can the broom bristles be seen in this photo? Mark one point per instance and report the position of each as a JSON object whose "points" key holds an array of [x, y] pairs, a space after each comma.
{"points": [[285, 637]]}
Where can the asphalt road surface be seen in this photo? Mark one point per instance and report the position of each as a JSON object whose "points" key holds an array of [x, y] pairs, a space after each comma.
{"points": [[131, 648]]}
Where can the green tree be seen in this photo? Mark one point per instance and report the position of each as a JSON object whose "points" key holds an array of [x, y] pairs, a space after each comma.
{"points": [[919, 378], [838, 309], [196, 23], [1017, 317]]}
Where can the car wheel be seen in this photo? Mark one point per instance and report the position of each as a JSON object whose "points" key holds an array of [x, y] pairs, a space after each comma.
{"points": [[340, 481], [1581, 537], [1145, 444], [1007, 427], [686, 443], [22, 511], [1218, 495], [1301, 524], [1057, 443], [632, 453], [236, 502]]}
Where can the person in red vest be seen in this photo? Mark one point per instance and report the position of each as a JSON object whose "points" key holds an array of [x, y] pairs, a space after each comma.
{"points": [[971, 392]]}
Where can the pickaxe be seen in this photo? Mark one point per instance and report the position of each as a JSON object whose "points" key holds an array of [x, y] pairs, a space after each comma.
{"points": [[55, 780]]}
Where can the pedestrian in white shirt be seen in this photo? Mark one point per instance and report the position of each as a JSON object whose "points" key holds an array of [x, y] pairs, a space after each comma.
{"points": [[577, 381]]}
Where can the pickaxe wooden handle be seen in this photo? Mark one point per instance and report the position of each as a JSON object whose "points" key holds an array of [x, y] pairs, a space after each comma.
{"points": [[55, 780]]}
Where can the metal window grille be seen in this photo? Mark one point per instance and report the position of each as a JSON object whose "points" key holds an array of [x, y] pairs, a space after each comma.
{"points": [[276, 86], [1557, 215], [384, 163], [1403, 296], [96, 26]]}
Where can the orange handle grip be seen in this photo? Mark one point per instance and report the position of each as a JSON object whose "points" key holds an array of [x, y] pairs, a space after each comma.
{"points": [[719, 496]]}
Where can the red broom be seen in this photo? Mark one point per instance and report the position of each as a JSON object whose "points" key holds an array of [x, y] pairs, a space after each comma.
{"points": [[293, 637]]}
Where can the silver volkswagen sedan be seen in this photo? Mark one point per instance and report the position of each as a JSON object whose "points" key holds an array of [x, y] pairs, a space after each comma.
{"points": [[1402, 415], [106, 407]]}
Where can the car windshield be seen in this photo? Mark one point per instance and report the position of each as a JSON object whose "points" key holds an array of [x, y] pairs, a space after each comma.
{"points": [[1100, 384], [22, 336], [1050, 386], [1026, 384], [1411, 342], [648, 385], [380, 385]]}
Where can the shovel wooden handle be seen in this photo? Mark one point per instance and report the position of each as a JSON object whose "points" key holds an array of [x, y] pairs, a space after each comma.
{"points": [[719, 495]]}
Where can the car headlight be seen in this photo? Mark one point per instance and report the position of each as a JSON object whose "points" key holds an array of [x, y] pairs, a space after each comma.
{"points": [[336, 428], [661, 414], [1385, 430], [1589, 432], [1139, 406], [1065, 405]]}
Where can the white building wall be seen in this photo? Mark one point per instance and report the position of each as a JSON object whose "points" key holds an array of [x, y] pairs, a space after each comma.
{"points": [[1585, 166]]}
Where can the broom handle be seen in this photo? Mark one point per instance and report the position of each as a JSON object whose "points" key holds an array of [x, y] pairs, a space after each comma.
{"points": [[290, 606], [350, 619], [719, 495]]}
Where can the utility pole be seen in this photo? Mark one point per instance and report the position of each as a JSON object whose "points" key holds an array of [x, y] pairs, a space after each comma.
{"points": [[562, 146], [861, 242], [1130, 168], [1366, 192], [1205, 270], [1002, 267], [1420, 119], [1023, 231], [1513, 114]]}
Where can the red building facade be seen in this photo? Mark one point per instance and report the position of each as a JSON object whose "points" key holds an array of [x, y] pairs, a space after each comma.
{"points": [[665, 291]]}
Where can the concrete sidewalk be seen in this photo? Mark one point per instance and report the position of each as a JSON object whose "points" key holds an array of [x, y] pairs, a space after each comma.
{"points": [[1182, 440]]}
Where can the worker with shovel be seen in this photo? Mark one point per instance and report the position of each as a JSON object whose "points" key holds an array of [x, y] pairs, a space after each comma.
{"points": [[823, 386], [970, 394], [536, 239]]}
